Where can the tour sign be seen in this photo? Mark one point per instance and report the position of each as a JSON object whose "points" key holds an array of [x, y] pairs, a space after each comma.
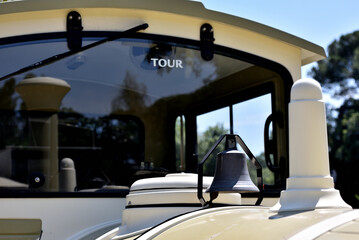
{"points": [[171, 63]]}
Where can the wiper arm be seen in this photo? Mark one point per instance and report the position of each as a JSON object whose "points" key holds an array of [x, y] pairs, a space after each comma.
{"points": [[72, 52]]}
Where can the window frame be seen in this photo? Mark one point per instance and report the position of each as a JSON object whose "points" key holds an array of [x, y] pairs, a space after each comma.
{"points": [[190, 116]]}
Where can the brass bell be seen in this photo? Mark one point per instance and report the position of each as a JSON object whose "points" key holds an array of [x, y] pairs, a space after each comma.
{"points": [[231, 174]]}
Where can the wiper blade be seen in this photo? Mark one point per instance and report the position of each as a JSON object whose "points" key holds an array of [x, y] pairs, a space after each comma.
{"points": [[72, 52]]}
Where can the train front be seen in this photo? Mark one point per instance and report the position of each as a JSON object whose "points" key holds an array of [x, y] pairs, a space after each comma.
{"points": [[108, 108]]}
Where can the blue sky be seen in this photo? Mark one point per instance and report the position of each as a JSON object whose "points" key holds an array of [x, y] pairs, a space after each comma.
{"points": [[318, 21]]}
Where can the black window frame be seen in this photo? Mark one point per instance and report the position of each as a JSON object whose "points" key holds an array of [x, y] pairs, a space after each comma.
{"points": [[191, 161]]}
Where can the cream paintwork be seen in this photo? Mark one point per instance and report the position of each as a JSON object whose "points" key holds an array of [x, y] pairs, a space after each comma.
{"points": [[308, 208], [178, 189], [343, 226], [182, 21], [175, 188], [20, 229], [247, 223], [66, 218], [309, 185]]}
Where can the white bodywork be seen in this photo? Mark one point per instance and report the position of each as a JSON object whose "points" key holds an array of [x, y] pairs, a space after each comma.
{"points": [[66, 218], [309, 208], [183, 20], [173, 189], [77, 218]]}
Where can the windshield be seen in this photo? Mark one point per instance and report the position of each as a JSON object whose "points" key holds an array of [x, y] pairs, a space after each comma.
{"points": [[119, 118]]}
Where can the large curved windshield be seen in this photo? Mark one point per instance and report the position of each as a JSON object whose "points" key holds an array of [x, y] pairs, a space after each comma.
{"points": [[131, 110]]}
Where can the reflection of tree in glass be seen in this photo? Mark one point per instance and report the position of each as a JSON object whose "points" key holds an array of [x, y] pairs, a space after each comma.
{"points": [[7, 91], [12, 125], [72, 123], [131, 98]]}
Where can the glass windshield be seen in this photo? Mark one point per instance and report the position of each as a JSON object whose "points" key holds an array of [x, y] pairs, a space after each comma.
{"points": [[116, 123]]}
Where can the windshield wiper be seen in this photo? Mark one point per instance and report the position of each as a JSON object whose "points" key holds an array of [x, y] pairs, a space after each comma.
{"points": [[72, 52]]}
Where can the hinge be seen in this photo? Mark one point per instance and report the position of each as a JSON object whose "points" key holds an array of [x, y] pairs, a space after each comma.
{"points": [[207, 39], [74, 30]]}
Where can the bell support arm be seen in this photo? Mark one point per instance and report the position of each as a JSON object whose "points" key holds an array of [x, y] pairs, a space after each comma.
{"points": [[256, 164], [200, 171]]}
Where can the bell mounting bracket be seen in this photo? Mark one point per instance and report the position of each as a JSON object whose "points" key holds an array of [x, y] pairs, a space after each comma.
{"points": [[74, 30], [231, 141]]}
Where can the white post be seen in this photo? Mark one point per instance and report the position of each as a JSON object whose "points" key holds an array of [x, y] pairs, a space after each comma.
{"points": [[67, 175], [309, 185]]}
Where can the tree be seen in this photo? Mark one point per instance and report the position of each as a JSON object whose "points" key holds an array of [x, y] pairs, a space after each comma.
{"points": [[339, 74], [340, 71], [206, 140], [344, 151]]}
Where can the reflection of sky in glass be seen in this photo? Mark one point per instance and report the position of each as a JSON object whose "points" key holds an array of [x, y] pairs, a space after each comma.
{"points": [[104, 70]]}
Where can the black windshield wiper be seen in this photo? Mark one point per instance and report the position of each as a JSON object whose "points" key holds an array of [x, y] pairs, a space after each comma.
{"points": [[69, 53]]}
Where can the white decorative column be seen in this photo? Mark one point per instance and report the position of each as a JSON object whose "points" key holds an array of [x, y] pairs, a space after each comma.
{"points": [[43, 97], [309, 185]]}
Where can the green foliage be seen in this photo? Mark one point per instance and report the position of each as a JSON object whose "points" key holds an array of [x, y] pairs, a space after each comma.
{"points": [[344, 132], [339, 74], [344, 150], [205, 141], [268, 176], [340, 71], [208, 139], [349, 150]]}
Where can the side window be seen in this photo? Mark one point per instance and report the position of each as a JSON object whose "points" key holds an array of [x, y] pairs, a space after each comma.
{"points": [[246, 120], [249, 118], [125, 117], [210, 126]]}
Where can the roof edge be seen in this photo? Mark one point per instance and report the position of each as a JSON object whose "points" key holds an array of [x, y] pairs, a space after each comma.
{"points": [[311, 52]]}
